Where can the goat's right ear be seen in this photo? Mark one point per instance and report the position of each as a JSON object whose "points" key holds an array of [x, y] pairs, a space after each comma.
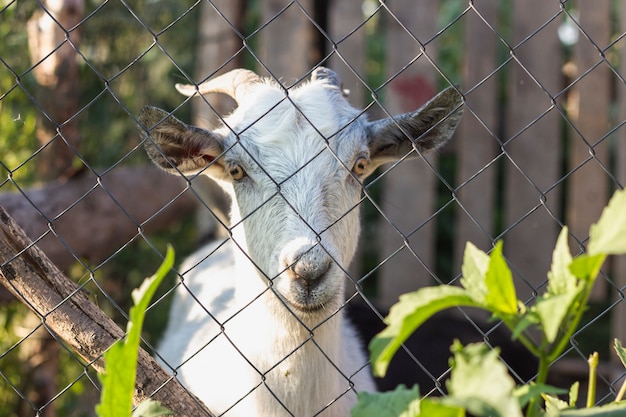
{"points": [[176, 146]]}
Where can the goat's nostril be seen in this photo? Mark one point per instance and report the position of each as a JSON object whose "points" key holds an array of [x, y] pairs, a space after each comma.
{"points": [[310, 272]]}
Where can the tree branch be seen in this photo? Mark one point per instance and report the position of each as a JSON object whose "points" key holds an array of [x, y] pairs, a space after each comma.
{"points": [[65, 309]]}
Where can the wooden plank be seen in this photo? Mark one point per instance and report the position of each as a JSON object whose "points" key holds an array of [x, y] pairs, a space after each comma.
{"points": [[408, 189], [349, 47], [343, 18], [618, 313], [534, 147], [589, 111], [218, 42], [287, 42], [475, 143]]}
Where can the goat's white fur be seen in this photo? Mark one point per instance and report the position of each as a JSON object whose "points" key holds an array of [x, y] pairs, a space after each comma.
{"points": [[256, 326]]}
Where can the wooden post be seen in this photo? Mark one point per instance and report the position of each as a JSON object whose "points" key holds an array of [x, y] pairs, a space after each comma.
{"points": [[28, 273], [589, 112], [344, 17], [409, 188], [218, 44], [475, 144], [287, 42], [534, 149]]}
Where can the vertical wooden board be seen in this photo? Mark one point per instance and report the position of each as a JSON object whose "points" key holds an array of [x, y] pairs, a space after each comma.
{"points": [[348, 43], [408, 189], [348, 37], [618, 314], [588, 186], [476, 146], [218, 42], [534, 144], [287, 41]]}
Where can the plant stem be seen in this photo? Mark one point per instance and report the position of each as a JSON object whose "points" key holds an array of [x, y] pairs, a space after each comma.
{"points": [[621, 393], [528, 344], [591, 389], [542, 375]]}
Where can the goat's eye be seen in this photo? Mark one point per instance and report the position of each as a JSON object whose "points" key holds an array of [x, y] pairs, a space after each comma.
{"points": [[360, 165], [237, 172]]}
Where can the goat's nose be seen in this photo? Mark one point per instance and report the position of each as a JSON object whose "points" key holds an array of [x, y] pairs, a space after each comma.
{"points": [[309, 270], [308, 266]]}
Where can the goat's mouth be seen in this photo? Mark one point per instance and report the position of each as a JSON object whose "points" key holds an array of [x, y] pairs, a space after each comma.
{"points": [[303, 299], [307, 308]]}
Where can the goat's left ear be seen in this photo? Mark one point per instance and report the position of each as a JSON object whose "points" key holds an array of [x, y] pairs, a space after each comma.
{"points": [[425, 129], [177, 147]]}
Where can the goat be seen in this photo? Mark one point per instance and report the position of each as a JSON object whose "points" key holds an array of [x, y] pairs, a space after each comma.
{"points": [[256, 326]]}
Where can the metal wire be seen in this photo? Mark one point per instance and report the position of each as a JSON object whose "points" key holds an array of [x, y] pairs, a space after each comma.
{"points": [[451, 199]]}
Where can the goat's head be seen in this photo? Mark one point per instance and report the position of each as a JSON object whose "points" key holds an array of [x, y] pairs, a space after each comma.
{"points": [[293, 163]]}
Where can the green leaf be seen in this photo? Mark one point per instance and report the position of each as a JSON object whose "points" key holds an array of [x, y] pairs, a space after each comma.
{"points": [[608, 235], [475, 265], [501, 297], [587, 267], [527, 392], [609, 410], [431, 407], [621, 352], [402, 402], [560, 278], [553, 311], [408, 314], [151, 408], [573, 394], [480, 383], [554, 404], [118, 379]]}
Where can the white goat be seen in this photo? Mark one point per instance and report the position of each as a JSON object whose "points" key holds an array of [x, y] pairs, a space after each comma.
{"points": [[257, 327]]}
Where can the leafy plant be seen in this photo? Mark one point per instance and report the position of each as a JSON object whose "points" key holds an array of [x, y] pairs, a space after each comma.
{"points": [[479, 383], [118, 380]]}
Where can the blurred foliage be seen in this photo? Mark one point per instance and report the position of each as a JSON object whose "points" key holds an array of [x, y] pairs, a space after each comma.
{"points": [[17, 112], [121, 69]]}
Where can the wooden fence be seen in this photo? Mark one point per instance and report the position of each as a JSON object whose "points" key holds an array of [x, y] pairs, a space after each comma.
{"points": [[542, 142]]}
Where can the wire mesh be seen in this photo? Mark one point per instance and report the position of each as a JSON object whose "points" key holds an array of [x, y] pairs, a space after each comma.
{"points": [[541, 145]]}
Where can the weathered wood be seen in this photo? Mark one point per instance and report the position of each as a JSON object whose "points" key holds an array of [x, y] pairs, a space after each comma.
{"points": [[287, 42], [589, 112], [533, 146], [349, 46], [409, 188], [92, 217], [475, 144], [65, 309], [218, 47]]}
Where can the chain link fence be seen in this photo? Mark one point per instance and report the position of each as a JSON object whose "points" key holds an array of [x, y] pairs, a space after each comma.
{"points": [[541, 145]]}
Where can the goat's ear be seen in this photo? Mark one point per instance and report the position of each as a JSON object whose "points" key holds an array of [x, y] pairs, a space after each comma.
{"points": [[176, 146], [425, 129]]}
